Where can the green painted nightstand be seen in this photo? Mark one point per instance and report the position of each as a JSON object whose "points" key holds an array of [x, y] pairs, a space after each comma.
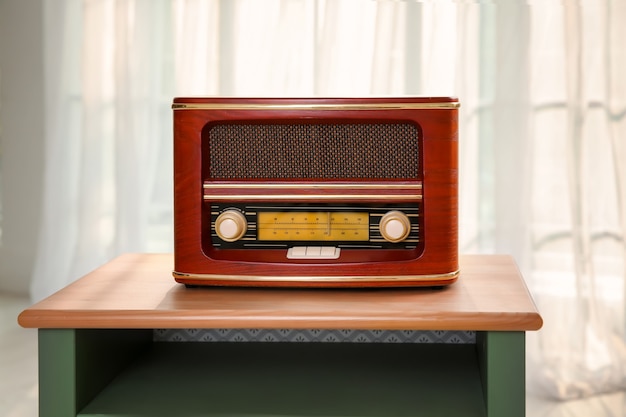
{"points": [[98, 355]]}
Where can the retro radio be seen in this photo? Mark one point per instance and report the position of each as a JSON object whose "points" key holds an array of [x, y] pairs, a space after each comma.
{"points": [[315, 192]]}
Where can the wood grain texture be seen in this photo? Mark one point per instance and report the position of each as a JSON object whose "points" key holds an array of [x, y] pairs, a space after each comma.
{"points": [[138, 291], [438, 254]]}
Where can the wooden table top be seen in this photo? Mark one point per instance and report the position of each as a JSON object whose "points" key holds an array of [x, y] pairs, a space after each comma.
{"points": [[138, 291]]}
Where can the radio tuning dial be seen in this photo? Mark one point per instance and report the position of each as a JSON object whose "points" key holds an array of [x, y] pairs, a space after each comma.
{"points": [[231, 225], [395, 226]]}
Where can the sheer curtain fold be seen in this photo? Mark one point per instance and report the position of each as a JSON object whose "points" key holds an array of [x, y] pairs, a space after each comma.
{"points": [[580, 245], [542, 123], [60, 222], [108, 157]]}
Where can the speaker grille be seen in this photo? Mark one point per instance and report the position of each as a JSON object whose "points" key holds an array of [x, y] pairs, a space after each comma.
{"points": [[313, 151]]}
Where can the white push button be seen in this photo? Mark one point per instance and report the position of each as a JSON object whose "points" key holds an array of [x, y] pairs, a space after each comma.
{"points": [[329, 252], [298, 251], [313, 252]]}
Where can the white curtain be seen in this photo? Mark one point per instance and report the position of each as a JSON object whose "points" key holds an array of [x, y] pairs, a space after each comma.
{"points": [[107, 184], [577, 185], [542, 128]]}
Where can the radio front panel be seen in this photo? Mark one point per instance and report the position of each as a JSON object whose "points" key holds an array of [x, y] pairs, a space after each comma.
{"points": [[315, 192], [281, 226]]}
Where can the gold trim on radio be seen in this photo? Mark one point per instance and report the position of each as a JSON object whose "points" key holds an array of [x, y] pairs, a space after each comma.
{"points": [[353, 278], [361, 106], [311, 186], [359, 195], [300, 197]]}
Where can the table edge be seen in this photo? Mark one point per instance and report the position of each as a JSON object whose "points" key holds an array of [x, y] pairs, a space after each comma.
{"points": [[45, 319]]}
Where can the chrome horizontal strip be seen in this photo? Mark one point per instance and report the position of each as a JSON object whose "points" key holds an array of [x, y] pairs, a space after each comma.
{"points": [[302, 197], [312, 186], [353, 278], [355, 106]]}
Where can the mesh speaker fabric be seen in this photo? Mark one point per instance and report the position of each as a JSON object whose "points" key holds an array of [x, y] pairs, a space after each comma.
{"points": [[313, 151]]}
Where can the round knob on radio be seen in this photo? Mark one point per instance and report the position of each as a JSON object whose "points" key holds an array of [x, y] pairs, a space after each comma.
{"points": [[395, 226], [231, 225]]}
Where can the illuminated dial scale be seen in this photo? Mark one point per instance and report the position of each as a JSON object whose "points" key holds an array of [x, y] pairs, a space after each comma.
{"points": [[231, 225], [313, 226]]}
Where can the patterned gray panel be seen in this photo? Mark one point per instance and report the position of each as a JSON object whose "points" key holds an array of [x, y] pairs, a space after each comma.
{"points": [[313, 335]]}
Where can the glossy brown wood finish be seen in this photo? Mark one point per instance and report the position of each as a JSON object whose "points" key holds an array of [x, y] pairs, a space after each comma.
{"points": [[136, 291], [434, 262]]}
